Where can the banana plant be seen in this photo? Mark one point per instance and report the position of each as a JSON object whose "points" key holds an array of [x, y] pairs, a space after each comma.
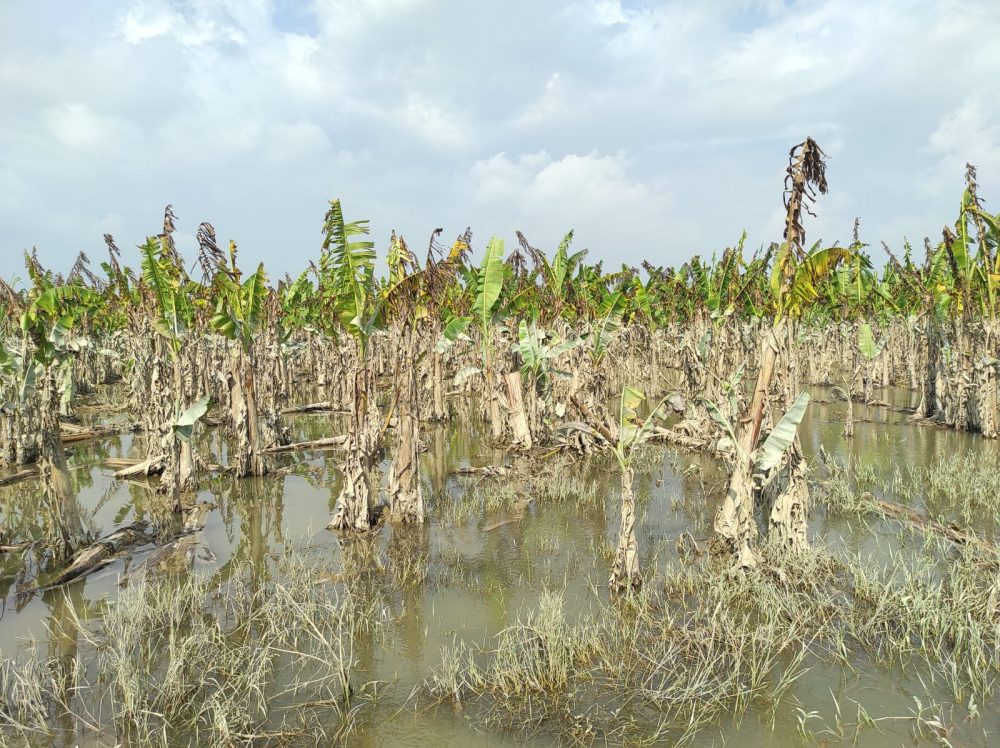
{"points": [[412, 300], [239, 310], [788, 519], [794, 280], [558, 274], [166, 282], [489, 286], [48, 323], [611, 312], [632, 432], [348, 293], [240, 316], [485, 314], [538, 354], [347, 275]]}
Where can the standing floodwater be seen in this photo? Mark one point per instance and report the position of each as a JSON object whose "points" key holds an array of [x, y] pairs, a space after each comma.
{"points": [[490, 625]]}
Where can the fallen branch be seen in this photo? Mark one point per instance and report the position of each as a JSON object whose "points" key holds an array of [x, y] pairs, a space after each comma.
{"points": [[687, 546], [19, 476], [72, 434], [905, 513], [177, 553], [102, 552], [15, 547], [131, 467], [330, 442], [324, 406], [152, 466], [488, 471], [518, 515]]}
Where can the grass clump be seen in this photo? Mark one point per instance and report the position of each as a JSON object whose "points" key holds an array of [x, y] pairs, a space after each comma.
{"points": [[246, 660], [707, 645]]}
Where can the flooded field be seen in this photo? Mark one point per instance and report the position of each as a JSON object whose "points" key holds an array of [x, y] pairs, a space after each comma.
{"points": [[491, 624]]}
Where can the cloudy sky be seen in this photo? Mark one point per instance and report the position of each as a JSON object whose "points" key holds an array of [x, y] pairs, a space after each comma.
{"points": [[656, 130]]}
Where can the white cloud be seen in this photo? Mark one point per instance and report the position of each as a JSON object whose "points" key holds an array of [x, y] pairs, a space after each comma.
{"points": [[656, 128], [76, 125], [593, 194], [971, 131], [147, 21]]}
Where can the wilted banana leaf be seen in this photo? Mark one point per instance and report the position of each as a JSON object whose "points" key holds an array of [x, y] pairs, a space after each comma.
{"points": [[783, 434], [184, 425]]}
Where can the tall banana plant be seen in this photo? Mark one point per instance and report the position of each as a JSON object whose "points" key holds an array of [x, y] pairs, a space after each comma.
{"points": [[240, 316], [165, 282], [347, 289], [347, 275], [485, 313], [558, 274], [413, 301]]}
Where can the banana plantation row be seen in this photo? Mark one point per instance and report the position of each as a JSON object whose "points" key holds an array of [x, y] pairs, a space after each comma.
{"points": [[552, 352]]}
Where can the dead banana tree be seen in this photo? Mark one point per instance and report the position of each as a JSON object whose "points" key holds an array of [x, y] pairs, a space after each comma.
{"points": [[413, 300], [794, 278]]}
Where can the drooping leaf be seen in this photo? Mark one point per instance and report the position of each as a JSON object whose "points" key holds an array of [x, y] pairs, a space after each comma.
{"points": [[628, 413], [156, 276], [184, 426], [721, 420], [866, 342], [529, 345], [782, 435], [464, 373], [455, 327], [563, 346], [347, 268]]}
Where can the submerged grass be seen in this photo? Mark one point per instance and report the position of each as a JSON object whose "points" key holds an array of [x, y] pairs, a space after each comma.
{"points": [[962, 489], [707, 644], [247, 660]]}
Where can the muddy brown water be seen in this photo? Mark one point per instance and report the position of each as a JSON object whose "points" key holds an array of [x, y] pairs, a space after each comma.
{"points": [[481, 576]]}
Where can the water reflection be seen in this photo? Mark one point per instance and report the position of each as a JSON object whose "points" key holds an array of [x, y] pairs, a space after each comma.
{"points": [[462, 576]]}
